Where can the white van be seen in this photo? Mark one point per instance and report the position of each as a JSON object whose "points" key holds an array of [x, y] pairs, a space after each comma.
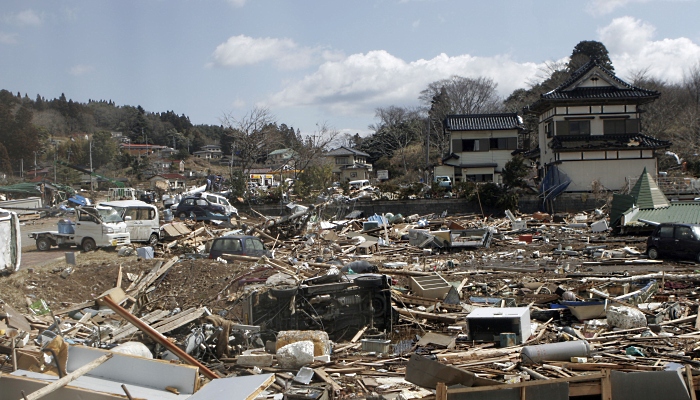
{"points": [[222, 201], [360, 184], [142, 220]]}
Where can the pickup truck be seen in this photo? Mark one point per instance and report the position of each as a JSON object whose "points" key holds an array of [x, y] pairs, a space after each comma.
{"points": [[95, 226]]}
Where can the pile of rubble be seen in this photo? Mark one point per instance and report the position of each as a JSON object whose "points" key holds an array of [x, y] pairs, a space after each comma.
{"points": [[529, 306]]}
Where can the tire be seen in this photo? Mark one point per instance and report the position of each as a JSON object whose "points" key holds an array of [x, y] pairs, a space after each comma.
{"points": [[43, 244], [183, 215], [153, 240], [653, 253], [283, 292], [369, 281], [89, 245]]}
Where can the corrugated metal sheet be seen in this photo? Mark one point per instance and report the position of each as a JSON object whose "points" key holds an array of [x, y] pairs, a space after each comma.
{"points": [[688, 213]]}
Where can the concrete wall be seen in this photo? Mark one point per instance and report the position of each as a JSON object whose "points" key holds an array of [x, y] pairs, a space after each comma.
{"points": [[568, 202]]}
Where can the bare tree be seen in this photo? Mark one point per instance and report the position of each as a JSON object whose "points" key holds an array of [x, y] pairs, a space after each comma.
{"points": [[250, 136], [309, 150], [457, 95], [465, 95], [397, 128]]}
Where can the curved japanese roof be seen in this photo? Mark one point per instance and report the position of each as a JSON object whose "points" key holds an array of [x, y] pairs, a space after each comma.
{"points": [[590, 84]]}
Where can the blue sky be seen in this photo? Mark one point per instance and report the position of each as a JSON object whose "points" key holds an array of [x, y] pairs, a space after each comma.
{"points": [[315, 62]]}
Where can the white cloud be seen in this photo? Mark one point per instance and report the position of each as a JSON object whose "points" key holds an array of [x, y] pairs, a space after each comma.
{"points": [[632, 48], [81, 69], [285, 53], [237, 3], [363, 82], [24, 18], [8, 38]]}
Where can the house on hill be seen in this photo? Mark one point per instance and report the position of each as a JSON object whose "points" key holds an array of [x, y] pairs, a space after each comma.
{"points": [[480, 146], [349, 164], [172, 181], [590, 133]]}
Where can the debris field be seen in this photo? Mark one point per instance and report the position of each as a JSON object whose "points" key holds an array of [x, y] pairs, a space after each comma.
{"points": [[431, 306]]}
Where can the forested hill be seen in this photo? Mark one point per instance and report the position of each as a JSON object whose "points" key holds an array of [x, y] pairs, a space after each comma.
{"points": [[30, 125]]}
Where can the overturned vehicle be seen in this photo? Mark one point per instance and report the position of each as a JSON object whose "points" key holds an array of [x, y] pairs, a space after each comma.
{"points": [[338, 304]]}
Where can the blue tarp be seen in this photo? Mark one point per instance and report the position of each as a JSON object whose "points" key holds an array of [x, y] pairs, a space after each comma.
{"points": [[553, 184], [78, 200]]}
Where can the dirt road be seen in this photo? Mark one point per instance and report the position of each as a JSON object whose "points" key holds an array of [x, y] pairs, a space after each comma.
{"points": [[31, 257]]}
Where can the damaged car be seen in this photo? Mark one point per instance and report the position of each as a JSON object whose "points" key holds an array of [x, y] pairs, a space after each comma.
{"points": [[338, 304]]}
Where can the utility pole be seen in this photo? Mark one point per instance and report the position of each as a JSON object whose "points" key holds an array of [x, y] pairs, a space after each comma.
{"points": [[92, 186]]}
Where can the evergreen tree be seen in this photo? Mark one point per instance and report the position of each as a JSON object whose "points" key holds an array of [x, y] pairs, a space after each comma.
{"points": [[587, 50]]}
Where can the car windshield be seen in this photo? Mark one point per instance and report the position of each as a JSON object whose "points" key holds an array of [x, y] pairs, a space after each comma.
{"points": [[696, 232], [109, 215]]}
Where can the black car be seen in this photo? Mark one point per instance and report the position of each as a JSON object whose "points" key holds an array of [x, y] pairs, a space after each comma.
{"points": [[200, 209], [674, 240], [238, 244]]}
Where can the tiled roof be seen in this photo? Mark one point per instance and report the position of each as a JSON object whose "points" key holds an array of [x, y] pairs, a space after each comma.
{"points": [[483, 122], [345, 151], [568, 92], [608, 142]]}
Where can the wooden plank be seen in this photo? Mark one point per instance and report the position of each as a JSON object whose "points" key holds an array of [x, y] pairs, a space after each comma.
{"points": [[129, 329], [573, 379], [68, 378], [154, 274], [335, 387], [359, 334], [178, 320], [75, 307]]}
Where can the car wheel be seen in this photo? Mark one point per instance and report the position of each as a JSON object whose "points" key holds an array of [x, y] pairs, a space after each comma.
{"points": [[369, 281], [183, 215], [43, 244], [153, 240], [653, 253], [89, 245], [283, 292]]}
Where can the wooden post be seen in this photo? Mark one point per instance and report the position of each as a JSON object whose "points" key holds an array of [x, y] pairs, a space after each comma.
{"points": [[441, 391], [605, 388], [689, 378], [69, 378]]}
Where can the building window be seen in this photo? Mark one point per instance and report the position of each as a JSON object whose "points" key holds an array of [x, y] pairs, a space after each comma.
{"points": [[549, 129], [575, 127], [480, 177], [620, 126], [341, 160], [504, 143], [475, 144]]}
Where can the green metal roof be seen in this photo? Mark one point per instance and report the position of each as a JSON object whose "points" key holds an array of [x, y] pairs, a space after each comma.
{"points": [[23, 188], [688, 213]]}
